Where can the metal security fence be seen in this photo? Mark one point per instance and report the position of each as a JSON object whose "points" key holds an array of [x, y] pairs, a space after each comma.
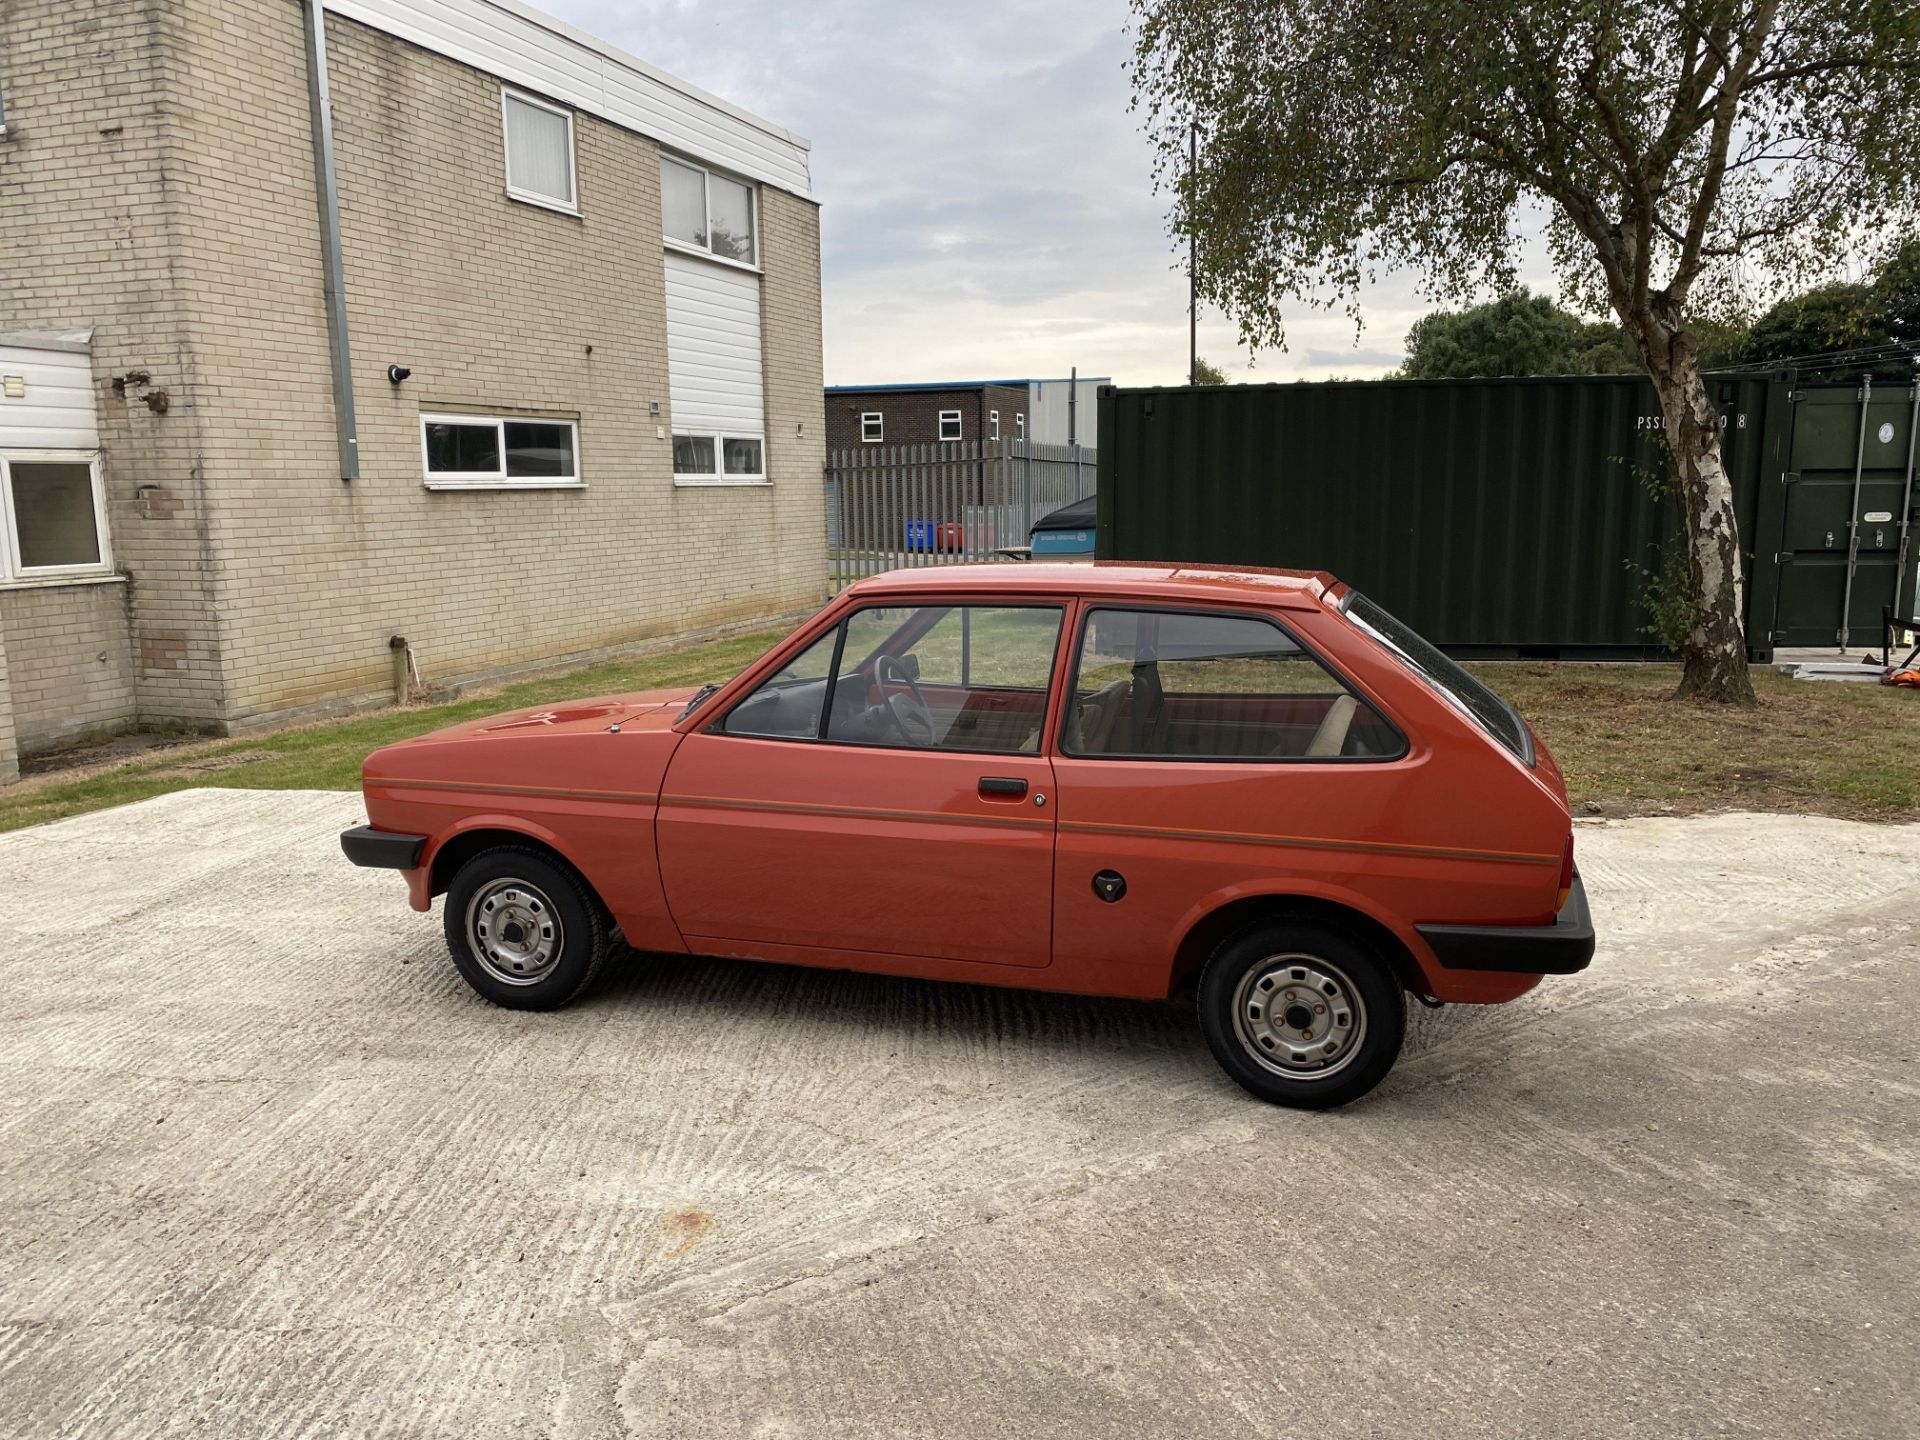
{"points": [[891, 507]]}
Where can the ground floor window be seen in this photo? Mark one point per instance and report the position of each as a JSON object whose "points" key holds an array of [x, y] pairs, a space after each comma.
{"points": [[718, 458], [55, 515], [464, 451]]}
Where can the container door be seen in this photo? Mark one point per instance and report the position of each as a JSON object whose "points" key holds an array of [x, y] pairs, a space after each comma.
{"points": [[1848, 492]]}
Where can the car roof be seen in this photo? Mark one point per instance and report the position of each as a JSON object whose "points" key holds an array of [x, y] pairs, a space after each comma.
{"points": [[1294, 589]]}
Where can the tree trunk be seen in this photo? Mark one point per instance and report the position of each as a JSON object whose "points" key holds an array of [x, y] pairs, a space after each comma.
{"points": [[1715, 653]]}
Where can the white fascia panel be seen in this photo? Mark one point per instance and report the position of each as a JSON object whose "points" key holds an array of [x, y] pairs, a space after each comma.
{"points": [[518, 44], [57, 411], [713, 348]]}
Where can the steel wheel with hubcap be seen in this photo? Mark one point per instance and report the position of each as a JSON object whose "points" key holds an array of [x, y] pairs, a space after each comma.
{"points": [[1301, 1014], [523, 928], [513, 931]]}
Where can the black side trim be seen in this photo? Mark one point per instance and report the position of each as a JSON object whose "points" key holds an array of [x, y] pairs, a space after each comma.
{"points": [[382, 849], [1562, 948]]}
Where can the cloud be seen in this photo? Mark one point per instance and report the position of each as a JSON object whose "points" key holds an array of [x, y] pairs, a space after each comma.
{"points": [[987, 199]]}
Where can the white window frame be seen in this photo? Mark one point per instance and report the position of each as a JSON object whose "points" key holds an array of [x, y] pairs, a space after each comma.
{"points": [[720, 477], [534, 197], [1020, 427], [993, 424], [497, 479], [707, 172], [12, 571], [879, 423], [959, 427]]}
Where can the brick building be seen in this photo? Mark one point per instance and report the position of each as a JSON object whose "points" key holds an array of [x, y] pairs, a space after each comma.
{"points": [[568, 397], [972, 411], [1058, 411]]}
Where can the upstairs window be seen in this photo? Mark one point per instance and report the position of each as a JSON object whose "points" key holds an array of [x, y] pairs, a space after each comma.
{"points": [[1019, 427], [873, 428], [993, 424], [539, 151], [485, 451], [711, 213], [949, 424]]}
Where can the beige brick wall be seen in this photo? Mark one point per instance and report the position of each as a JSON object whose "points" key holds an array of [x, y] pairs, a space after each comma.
{"points": [[160, 187], [492, 304], [9, 750], [91, 193], [71, 667]]}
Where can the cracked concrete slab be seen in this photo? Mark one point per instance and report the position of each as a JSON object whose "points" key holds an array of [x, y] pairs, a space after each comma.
{"points": [[269, 1168]]}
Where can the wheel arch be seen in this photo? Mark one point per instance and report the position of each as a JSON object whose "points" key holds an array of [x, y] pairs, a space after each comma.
{"points": [[1204, 935], [486, 833]]}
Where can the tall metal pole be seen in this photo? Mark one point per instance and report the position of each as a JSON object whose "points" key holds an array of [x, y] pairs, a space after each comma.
{"points": [[1193, 253], [1073, 424]]}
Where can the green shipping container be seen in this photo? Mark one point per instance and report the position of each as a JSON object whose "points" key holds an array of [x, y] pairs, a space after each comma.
{"points": [[1518, 517]]}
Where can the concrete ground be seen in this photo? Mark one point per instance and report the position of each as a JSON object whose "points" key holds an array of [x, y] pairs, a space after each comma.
{"points": [[268, 1168]]}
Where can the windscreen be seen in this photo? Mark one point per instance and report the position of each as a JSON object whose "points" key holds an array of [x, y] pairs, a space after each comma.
{"points": [[1495, 716]]}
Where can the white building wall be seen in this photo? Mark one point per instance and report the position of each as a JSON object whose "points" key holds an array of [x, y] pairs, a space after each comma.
{"points": [[1047, 410]]}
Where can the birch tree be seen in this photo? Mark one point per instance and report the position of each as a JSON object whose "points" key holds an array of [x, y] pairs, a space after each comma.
{"points": [[1688, 159]]}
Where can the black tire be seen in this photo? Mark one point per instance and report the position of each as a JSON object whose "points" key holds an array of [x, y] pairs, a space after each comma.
{"points": [[540, 932], [1262, 982]]}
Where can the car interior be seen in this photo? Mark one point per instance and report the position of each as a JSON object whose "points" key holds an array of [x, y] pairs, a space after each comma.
{"points": [[946, 677], [1208, 687], [1151, 684]]}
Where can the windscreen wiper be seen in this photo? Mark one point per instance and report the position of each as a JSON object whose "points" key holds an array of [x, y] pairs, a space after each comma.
{"points": [[700, 697]]}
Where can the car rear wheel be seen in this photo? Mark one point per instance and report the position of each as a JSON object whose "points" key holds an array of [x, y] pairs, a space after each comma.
{"points": [[1301, 1014], [523, 929]]}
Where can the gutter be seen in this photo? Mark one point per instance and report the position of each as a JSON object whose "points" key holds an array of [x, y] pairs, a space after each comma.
{"points": [[339, 343]]}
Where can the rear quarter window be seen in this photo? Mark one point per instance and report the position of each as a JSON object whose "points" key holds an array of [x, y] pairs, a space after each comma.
{"points": [[1466, 694]]}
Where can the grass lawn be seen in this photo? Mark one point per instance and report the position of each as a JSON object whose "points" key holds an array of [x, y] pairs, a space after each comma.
{"points": [[1851, 750], [1847, 750], [327, 755]]}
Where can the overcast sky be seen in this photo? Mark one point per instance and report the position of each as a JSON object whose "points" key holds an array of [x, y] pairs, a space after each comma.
{"points": [[987, 200]]}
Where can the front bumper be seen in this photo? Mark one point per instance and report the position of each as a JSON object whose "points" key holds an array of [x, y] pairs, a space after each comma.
{"points": [[382, 849], [1562, 948]]}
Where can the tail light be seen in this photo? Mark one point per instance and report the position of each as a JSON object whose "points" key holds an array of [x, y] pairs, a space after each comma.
{"points": [[1566, 876]]}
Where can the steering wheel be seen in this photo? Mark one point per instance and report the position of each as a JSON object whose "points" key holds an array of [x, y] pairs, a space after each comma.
{"points": [[908, 712]]}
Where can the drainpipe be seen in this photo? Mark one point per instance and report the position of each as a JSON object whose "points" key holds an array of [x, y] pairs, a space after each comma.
{"points": [[320, 103]]}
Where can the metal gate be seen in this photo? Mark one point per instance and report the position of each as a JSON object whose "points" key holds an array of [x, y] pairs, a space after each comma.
{"points": [[892, 507], [1847, 542]]}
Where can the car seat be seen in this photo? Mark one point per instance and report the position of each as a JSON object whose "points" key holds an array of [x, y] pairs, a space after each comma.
{"points": [[1331, 738], [1096, 717]]}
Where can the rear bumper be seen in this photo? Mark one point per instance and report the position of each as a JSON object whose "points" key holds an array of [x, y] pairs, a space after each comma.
{"points": [[1562, 948], [382, 849]]}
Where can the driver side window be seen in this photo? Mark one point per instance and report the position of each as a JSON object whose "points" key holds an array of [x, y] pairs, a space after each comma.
{"points": [[787, 704], [945, 677]]}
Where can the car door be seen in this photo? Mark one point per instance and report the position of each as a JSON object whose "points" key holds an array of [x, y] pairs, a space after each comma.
{"points": [[1202, 755], [887, 793]]}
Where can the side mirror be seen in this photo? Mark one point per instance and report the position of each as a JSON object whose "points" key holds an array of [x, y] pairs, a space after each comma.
{"points": [[910, 666]]}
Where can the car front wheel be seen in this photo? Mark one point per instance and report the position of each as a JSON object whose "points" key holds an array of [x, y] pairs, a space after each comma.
{"points": [[523, 929], [1302, 1014]]}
